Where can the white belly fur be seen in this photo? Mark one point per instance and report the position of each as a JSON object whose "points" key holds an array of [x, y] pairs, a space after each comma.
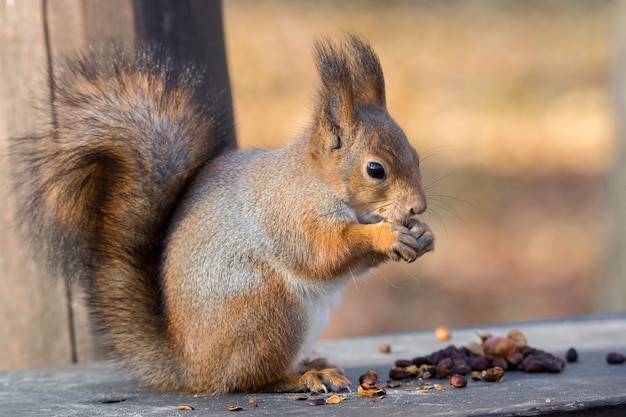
{"points": [[319, 299]]}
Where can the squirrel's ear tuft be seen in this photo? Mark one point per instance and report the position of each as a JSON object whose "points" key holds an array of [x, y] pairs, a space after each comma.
{"points": [[368, 81], [336, 111]]}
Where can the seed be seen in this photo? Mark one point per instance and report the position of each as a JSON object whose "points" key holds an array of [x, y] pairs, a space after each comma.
{"points": [[442, 370], [186, 407], [476, 376], [234, 408], [317, 401], [300, 397], [460, 367], [515, 358], [615, 358], [499, 346], [385, 348], [452, 352], [442, 333], [475, 348], [518, 337], [551, 365], [447, 362], [397, 373], [480, 363], [534, 365], [438, 387], [421, 360], [571, 355], [483, 335], [500, 363], [458, 381], [403, 363], [492, 374], [368, 378]]}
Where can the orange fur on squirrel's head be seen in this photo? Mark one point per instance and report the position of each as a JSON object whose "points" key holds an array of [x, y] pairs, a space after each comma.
{"points": [[360, 150]]}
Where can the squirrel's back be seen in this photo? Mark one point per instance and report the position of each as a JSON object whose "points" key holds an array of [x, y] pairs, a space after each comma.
{"points": [[97, 187]]}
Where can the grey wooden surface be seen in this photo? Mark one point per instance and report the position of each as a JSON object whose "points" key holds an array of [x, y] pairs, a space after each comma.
{"points": [[588, 387]]}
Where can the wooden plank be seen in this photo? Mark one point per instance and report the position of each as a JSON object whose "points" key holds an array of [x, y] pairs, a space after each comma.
{"points": [[33, 321], [589, 387]]}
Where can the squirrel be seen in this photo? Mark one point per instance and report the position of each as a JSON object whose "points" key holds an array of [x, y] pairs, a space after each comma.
{"points": [[211, 269]]}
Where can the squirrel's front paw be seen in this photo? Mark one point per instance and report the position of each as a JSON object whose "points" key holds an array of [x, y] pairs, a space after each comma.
{"points": [[412, 243]]}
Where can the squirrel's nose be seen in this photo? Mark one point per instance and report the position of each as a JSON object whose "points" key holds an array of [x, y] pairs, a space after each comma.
{"points": [[418, 206]]}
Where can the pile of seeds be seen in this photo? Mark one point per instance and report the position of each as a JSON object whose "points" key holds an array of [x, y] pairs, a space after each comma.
{"points": [[485, 361]]}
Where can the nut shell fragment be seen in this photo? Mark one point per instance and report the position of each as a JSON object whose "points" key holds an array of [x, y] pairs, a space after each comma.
{"points": [[317, 401], [377, 392], [334, 399]]}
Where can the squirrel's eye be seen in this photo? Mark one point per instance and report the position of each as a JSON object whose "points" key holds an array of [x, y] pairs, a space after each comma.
{"points": [[375, 170]]}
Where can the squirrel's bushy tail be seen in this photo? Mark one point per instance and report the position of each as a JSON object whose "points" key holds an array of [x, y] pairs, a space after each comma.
{"points": [[97, 188]]}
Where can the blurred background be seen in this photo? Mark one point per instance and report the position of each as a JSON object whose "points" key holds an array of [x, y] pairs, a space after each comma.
{"points": [[508, 103]]}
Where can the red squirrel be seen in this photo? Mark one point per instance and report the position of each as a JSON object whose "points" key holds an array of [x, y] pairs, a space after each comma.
{"points": [[211, 269]]}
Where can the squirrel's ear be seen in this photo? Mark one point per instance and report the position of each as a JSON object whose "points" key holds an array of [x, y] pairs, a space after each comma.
{"points": [[335, 109], [367, 73]]}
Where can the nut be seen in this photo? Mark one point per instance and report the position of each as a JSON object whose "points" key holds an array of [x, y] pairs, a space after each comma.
{"points": [[385, 348], [515, 358], [518, 337], [480, 363], [500, 363], [442, 370], [442, 333], [534, 365], [397, 373], [615, 358], [368, 379], [498, 346], [458, 381], [460, 367], [403, 363], [492, 374], [571, 355]]}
